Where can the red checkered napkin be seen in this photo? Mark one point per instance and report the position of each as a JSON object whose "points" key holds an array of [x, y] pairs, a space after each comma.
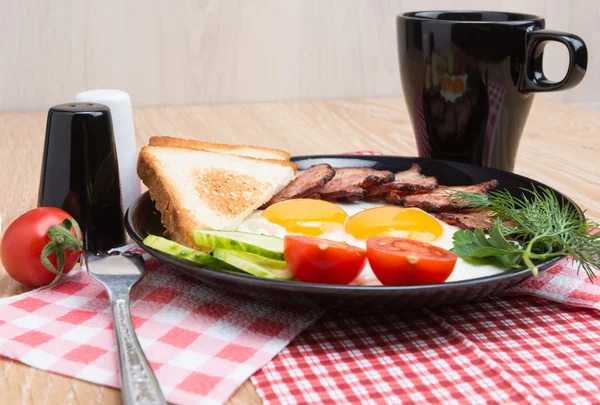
{"points": [[201, 342], [496, 94], [502, 350]]}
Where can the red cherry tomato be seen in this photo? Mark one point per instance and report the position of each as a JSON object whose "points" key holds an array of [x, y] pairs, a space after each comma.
{"points": [[316, 260], [23, 242], [399, 261]]}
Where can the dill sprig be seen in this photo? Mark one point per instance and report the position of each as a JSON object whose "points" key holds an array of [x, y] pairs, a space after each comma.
{"points": [[543, 225]]}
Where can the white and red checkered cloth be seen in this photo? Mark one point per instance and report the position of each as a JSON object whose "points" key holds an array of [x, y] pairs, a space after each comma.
{"points": [[201, 342], [498, 351]]}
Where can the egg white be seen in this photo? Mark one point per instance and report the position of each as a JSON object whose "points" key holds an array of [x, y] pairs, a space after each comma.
{"points": [[464, 270]]}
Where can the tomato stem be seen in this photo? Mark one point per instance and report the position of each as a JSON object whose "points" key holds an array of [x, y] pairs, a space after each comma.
{"points": [[61, 241]]}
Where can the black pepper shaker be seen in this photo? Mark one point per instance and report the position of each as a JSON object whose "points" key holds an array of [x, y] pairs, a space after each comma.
{"points": [[80, 172]]}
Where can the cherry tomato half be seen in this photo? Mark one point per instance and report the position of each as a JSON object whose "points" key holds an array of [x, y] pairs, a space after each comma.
{"points": [[399, 261], [316, 260], [23, 242]]}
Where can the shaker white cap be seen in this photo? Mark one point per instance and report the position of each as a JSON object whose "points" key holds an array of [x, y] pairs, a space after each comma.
{"points": [[119, 103]]}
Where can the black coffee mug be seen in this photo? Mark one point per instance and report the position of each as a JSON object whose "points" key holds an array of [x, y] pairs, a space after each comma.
{"points": [[469, 78]]}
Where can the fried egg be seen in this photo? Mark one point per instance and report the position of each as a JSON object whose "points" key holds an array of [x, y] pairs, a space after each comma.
{"points": [[354, 223], [453, 86]]}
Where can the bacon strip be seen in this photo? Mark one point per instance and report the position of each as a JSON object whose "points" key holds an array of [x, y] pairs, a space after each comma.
{"points": [[351, 183], [305, 183], [440, 200], [410, 181], [468, 219], [347, 194]]}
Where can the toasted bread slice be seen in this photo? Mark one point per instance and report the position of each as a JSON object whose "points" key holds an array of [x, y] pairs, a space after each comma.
{"points": [[242, 150], [198, 189]]}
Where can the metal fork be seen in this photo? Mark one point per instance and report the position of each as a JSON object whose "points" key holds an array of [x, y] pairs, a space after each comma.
{"points": [[118, 272]]}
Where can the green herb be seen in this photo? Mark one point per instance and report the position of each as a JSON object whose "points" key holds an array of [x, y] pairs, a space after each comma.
{"points": [[542, 226]]}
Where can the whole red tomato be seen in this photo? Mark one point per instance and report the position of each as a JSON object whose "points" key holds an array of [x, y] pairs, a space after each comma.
{"points": [[26, 237], [316, 260]]}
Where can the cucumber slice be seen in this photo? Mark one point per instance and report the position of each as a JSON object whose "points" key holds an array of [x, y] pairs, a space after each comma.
{"points": [[182, 252], [256, 265], [262, 245]]}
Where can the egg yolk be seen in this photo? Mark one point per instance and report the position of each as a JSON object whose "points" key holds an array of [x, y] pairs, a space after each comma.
{"points": [[410, 223], [447, 83], [458, 85], [306, 216]]}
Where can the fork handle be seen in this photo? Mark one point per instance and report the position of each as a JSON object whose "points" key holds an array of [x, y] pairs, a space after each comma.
{"points": [[138, 382]]}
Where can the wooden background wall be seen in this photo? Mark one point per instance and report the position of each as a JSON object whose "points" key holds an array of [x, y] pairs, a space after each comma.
{"points": [[235, 51]]}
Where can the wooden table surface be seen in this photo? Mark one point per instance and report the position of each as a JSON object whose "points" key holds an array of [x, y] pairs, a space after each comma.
{"points": [[560, 147]]}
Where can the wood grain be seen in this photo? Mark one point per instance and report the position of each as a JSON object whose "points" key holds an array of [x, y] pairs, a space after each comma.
{"points": [[560, 147], [235, 51]]}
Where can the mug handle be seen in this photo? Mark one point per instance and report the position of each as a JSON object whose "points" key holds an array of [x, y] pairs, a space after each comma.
{"points": [[534, 79]]}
